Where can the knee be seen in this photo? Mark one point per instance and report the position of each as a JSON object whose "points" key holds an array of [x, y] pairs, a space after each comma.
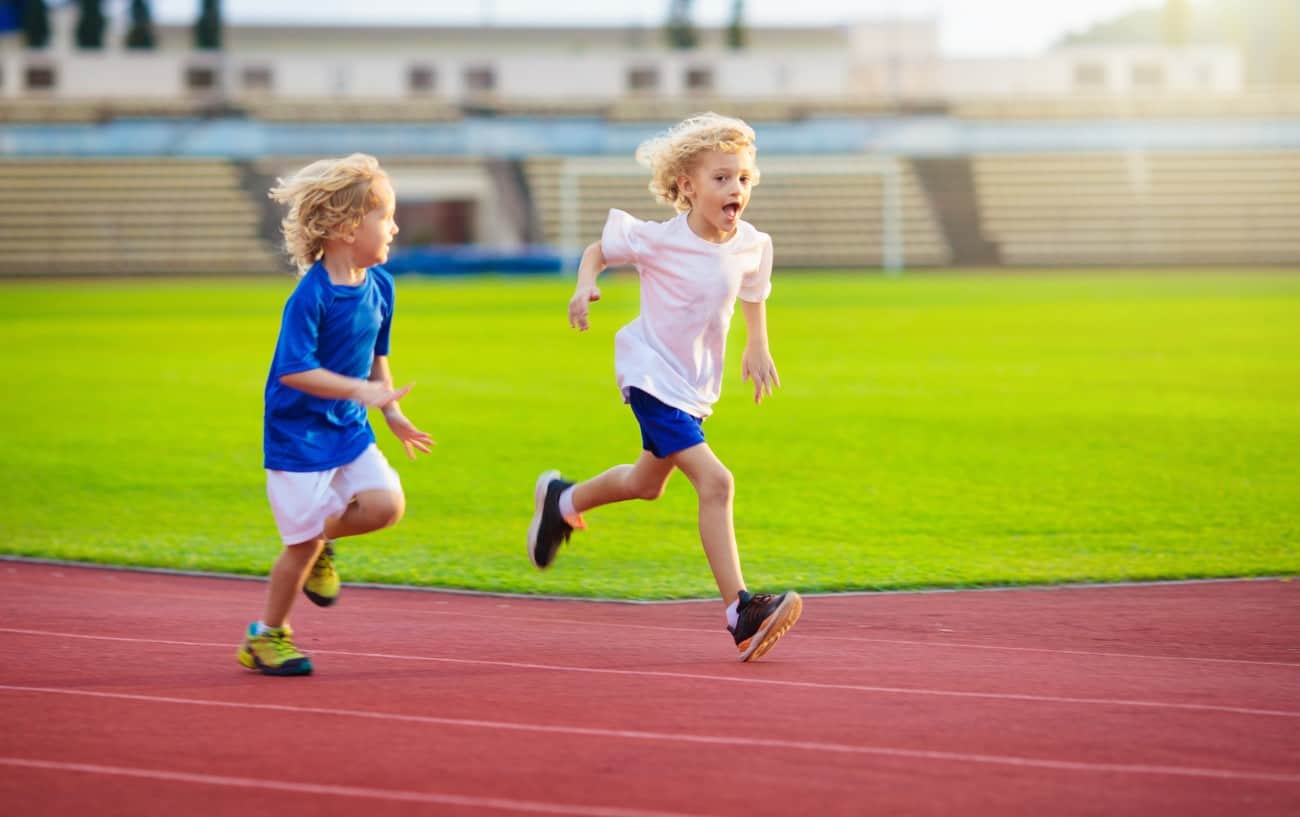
{"points": [[649, 490], [387, 509], [716, 486]]}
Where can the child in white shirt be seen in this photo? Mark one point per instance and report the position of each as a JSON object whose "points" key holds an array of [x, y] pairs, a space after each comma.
{"points": [[669, 359]]}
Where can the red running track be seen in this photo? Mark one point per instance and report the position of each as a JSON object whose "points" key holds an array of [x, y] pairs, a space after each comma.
{"points": [[120, 695]]}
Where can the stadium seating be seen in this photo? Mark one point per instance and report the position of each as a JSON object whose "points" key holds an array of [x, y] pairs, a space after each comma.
{"points": [[130, 217], [1186, 208], [815, 219]]}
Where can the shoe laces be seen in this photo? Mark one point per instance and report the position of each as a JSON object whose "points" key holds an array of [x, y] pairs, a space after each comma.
{"points": [[280, 643], [324, 563]]}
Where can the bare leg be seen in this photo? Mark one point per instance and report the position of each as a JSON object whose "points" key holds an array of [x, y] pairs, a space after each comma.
{"points": [[369, 511], [287, 577], [716, 489], [643, 480]]}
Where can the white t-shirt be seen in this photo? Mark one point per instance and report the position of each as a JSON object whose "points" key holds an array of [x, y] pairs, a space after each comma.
{"points": [[675, 349]]}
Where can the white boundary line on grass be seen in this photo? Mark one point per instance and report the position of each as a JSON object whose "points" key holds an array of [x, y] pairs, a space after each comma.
{"points": [[697, 676], [458, 591], [676, 737], [431, 798]]}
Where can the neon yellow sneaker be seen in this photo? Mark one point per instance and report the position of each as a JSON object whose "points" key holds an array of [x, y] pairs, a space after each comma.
{"points": [[273, 652], [322, 585]]}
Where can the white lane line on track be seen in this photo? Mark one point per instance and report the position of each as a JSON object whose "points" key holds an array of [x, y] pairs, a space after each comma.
{"points": [[491, 803], [691, 676], [803, 636], [672, 737]]}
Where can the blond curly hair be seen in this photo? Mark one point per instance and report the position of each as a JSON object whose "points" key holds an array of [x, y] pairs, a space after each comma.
{"points": [[326, 200], [675, 152]]}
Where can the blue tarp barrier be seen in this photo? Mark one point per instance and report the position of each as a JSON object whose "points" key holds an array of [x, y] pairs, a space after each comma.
{"points": [[471, 260]]}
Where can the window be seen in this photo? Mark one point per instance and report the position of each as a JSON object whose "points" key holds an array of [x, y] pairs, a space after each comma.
{"points": [[1148, 76], [643, 79], [200, 78], [41, 77], [1089, 76], [257, 78], [699, 79], [480, 80], [421, 79]]}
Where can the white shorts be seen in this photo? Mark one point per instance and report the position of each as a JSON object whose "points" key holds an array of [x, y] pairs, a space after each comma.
{"points": [[302, 500]]}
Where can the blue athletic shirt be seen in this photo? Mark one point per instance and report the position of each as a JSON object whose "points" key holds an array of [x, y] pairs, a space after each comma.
{"points": [[325, 326]]}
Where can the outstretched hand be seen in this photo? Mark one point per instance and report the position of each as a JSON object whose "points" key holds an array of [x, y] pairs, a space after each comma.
{"points": [[579, 306], [757, 365], [413, 439]]}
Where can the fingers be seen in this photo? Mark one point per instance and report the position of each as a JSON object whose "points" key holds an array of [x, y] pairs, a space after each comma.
{"points": [[419, 441], [578, 316], [765, 384], [402, 392]]}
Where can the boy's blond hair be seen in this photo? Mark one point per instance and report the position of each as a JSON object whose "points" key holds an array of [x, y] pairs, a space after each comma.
{"points": [[326, 200], [675, 152]]}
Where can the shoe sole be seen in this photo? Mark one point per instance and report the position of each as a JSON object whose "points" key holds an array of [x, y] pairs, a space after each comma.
{"points": [[250, 661], [319, 600], [776, 625], [539, 504]]}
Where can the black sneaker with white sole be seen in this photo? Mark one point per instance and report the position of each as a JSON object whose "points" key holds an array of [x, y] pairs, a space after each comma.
{"points": [[549, 529], [762, 619]]}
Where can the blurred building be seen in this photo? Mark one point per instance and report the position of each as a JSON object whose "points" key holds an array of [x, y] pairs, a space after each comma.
{"points": [[882, 59]]}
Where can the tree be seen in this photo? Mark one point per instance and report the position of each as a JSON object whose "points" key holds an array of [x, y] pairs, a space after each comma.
{"points": [[207, 29], [36, 23], [90, 25], [140, 35], [1176, 22], [681, 31], [737, 36]]}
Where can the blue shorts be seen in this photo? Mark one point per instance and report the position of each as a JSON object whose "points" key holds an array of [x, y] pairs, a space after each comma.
{"points": [[664, 430]]}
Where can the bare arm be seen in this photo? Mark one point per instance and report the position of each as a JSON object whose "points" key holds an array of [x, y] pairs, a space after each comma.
{"points": [[586, 291], [375, 391], [334, 386], [757, 363]]}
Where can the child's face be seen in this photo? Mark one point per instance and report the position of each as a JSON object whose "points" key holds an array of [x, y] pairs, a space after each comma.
{"points": [[718, 187], [371, 239]]}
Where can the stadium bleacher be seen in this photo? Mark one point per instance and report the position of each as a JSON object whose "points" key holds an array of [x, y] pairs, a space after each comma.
{"points": [[831, 218], [153, 216], [1185, 208]]}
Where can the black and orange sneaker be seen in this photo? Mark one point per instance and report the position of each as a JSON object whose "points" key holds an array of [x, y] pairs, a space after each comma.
{"points": [[549, 528], [762, 620]]}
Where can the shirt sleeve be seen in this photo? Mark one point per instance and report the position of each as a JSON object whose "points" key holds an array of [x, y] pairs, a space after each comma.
{"points": [[756, 285], [386, 324], [299, 333], [620, 241]]}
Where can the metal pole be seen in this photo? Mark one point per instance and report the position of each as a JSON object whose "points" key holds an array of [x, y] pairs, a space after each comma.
{"points": [[892, 218]]}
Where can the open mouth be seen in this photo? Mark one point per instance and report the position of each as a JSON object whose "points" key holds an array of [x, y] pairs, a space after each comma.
{"points": [[731, 210]]}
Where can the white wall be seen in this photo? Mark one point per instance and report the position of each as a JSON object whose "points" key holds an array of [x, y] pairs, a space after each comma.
{"points": [[1190, 70]]}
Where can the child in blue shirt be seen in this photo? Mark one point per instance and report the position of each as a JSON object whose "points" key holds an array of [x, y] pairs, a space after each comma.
{"points": [[692, 269], [325, 476]]}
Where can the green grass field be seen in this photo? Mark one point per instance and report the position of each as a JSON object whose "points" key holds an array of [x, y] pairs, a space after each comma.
{"points": [[932, 431]]}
